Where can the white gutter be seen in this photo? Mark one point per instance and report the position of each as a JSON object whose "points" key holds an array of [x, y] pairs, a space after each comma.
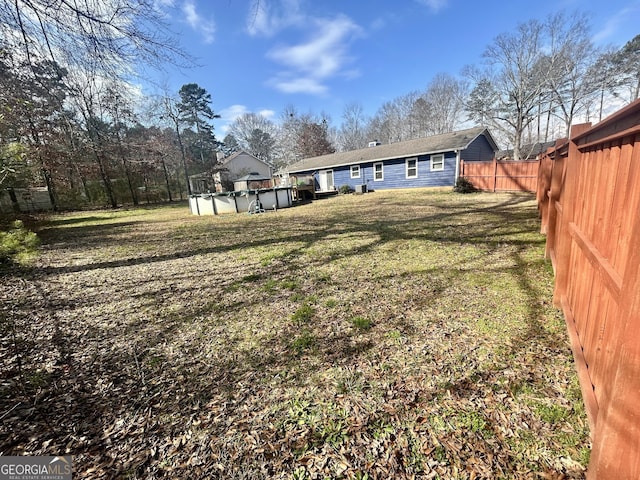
{"points": [[455, 180]]}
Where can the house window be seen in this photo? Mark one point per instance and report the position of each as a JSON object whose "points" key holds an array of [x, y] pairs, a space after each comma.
{"points": [[378, 173], [355, 171], [412, 167], [437, 162]]}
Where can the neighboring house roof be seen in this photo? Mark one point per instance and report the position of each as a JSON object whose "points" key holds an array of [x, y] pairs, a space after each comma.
{"points": [[231, 157], [527, 152], [253, 177], [445, 142]]}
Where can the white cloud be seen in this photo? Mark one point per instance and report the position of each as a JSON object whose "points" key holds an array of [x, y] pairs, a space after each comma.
{"points": [[305, 65], [267, 19], [434, 5], [309, 64], [206, 28], [299, 85], [258, 20], [267, 113], [323, 54], [612, 25], [230, 114]]}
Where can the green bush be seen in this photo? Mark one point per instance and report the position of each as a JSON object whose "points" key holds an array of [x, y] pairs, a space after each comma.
{"points": [[464, 185], [18, 245], [344, 189]]}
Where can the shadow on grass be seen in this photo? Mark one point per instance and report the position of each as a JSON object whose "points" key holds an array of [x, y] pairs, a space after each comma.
{"points": [[129, 368], [436, 227]]}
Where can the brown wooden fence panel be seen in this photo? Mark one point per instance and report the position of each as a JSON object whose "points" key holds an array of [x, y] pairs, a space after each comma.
{"points": [[481, 174], [502, 176], [589, 199]]}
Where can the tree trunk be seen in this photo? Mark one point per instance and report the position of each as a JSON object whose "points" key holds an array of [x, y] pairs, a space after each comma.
{"points": [[106, 181], [179, 183], [166, 179], [517, 140], [46, 175], [184, 162], [546, 128], [50, 187], [127, 173]]}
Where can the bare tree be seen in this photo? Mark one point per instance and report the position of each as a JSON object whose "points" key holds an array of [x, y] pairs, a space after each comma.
{"points": [[171, 113], [604, 77], [303, 135], [106, 34], [287, 137], [444, 102], [387, 125], [256, 134], [32, 98], [628, 65], [422, 116], [87, 97], [514, 82], [437, 109], [570, 57], [352, 133], [118, 107]]}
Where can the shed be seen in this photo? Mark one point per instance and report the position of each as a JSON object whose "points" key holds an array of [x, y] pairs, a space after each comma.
{"points": [[252, 181], [33, 199]]}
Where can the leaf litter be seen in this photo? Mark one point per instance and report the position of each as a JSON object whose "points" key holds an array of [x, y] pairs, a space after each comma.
{"points": [[154, 344]]}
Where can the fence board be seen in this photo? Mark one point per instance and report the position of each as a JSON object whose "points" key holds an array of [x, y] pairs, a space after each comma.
{"points": [[502, 176], [589, 200], [619, 199]]}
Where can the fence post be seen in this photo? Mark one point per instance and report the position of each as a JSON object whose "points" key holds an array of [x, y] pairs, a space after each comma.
{"points": [[540, 196], [555, 187], [495, 173]]}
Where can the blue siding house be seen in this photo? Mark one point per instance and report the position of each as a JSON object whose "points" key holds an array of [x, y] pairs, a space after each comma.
{"points": [[422, 162]]}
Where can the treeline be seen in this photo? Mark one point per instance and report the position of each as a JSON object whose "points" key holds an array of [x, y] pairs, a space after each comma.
{"points": [[83, 137], [294, 135], [71, 121], [533, 83]]}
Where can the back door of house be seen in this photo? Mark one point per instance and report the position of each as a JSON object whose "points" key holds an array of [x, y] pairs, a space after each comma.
{"points": [[326, 180]]}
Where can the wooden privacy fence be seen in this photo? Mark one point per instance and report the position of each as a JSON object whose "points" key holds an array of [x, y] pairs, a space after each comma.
{"points": [[589, 199], [502, 176]]}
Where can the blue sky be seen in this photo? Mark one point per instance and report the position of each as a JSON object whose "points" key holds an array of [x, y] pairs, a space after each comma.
{"points": [[321, 55]]}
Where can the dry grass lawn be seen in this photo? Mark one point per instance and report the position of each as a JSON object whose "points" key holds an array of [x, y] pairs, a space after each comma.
{"points": [[405, 334]]}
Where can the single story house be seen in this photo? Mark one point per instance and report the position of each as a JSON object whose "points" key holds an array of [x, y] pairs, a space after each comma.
{"points": [[422, 162], [238, 165], [230, 169]]}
